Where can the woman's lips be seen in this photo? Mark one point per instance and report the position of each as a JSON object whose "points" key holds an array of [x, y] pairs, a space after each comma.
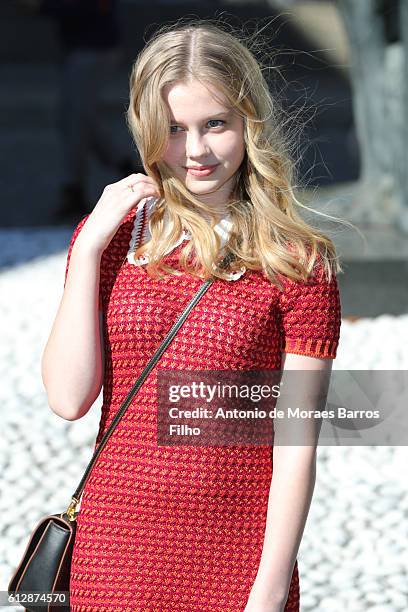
{"points": [[204, 171]]}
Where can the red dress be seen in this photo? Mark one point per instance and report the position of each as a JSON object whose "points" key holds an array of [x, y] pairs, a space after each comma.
{"points": [[181, 528]]}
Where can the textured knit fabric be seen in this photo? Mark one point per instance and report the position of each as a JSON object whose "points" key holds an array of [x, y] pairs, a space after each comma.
{"points": [[181, 528]]}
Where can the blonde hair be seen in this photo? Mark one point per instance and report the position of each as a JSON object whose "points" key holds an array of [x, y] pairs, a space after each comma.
{"points": [[267, 232]]}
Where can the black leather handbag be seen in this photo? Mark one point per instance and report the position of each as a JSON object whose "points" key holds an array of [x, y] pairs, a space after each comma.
{"points": [[41, 580]]}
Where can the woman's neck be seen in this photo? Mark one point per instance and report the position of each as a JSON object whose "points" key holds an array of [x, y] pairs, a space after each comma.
{"points": [[220, 214]]}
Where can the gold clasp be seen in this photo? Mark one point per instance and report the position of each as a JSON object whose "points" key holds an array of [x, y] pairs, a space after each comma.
{"points": [[71, 510]]}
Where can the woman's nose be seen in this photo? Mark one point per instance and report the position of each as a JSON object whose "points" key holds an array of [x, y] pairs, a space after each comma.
{"points": [[195, 145]]}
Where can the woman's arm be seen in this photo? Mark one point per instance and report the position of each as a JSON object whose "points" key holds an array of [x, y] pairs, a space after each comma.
{"points": [[72, 361], [293, 480]]}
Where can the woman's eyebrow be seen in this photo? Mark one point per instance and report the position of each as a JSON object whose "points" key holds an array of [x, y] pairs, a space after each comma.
{"points": [[226, 112]]}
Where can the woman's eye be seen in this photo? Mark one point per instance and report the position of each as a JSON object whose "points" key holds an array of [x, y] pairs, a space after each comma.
{"points": [[217, 120], [210, 121]]}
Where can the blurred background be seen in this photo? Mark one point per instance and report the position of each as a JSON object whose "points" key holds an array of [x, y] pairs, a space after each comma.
{"points": [[63, 137]]}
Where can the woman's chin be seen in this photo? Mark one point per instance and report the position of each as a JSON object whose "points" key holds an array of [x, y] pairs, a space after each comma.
{"points": [[200, 187]]}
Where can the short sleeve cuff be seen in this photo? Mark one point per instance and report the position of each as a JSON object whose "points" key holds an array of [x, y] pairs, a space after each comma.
{"points": [[311, 347]]}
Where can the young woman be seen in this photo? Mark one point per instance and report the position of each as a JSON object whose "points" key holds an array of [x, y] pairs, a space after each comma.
{"points": [[192, 528]]}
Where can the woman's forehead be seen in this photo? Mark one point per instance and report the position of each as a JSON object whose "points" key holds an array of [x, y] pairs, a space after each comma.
{"points": [[181, 93]]}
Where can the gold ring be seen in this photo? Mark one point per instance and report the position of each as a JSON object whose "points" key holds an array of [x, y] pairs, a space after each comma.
{"points": [[131, 187]]}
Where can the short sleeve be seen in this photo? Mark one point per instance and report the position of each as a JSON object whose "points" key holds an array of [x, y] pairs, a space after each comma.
{"points": [[75, 235], [112, 259], [71, 244], [311, 316]]}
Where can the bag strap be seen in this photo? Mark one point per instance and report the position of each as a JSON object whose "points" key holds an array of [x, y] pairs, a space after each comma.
{"points": [[71, 512]]}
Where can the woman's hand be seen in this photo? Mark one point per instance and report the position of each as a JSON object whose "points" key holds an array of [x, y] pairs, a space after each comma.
{"points": [[116, 202]]}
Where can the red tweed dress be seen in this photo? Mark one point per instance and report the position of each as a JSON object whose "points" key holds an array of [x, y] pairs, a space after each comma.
{"points": [[181, 528]]}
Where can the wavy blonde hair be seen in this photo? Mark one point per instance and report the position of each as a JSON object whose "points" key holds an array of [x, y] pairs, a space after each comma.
{"points": [[267, 233]]}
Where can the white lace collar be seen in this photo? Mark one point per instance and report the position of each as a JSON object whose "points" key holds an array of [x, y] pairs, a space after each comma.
{"points": [[222, 228]]}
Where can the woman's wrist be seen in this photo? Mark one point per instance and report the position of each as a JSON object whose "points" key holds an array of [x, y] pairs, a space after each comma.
{"points": [[268, 594], [262, 602], [88, 246]]}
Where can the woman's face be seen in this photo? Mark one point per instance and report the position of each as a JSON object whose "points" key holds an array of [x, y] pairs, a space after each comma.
{"points": [[203, 133]]}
